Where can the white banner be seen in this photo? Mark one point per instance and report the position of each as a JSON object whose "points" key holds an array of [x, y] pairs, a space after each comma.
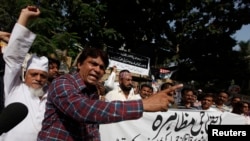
{"points": [[131, 68], [174, 125], [127, 60]]}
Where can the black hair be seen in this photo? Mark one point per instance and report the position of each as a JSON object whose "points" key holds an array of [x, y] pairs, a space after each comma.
{"points": [[224, 91], [53, 60], [166, 85], [237, 108], [207, 95], [94, 53], [187, 89], [146, 85], [236, 96]]}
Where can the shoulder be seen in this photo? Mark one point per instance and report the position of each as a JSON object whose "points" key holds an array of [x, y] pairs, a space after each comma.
{"points": [[112, 92], [72, 77], [69, 79], [137, 96]]}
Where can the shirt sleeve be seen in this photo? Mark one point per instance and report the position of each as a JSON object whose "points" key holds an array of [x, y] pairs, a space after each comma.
{"points": [[110, 82], [18, 46], [79, 105]]}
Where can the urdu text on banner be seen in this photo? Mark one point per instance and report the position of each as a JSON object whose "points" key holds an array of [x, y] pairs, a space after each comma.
{"points": [[126, 60], [169, 126]]}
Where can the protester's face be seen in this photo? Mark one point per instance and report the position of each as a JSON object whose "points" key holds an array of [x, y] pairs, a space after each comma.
{"points": [[206, 102], [53, 70], [188, 97], [222, 98], [91, 70], [145, 92], [245, 108], [126, 81], [194, 98], [36, 79], [235, 100]]}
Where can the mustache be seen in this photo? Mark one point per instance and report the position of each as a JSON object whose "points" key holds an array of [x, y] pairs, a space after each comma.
{"points": [[36, 82]]}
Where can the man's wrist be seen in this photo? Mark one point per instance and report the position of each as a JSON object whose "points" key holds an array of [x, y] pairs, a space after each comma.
{"points": [[22, 20]]}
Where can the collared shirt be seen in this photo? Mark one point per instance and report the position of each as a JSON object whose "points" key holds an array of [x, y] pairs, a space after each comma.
{"points": [[209, 109], [224, 108], [118, 94], [73, 113], [17, 91]]}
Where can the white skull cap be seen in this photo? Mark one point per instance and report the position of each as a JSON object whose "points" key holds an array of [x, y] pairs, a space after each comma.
{"points": [[38, 63]]}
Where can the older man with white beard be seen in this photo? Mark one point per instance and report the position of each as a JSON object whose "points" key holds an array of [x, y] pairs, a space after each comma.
{"points": [[33, 90]]}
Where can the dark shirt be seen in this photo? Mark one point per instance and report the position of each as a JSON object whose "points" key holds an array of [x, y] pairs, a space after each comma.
{"points": [[73, 113]]}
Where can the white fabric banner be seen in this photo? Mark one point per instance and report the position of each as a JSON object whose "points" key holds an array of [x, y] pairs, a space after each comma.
{"points": [[174, 125], [126, 60], [131, 68]]}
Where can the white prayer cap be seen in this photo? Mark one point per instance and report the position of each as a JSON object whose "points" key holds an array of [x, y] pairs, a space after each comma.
{"points": [[38, 63]]}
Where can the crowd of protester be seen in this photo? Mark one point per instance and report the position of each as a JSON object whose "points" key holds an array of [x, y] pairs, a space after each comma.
{"points": [[186, 98], [71, 106]]}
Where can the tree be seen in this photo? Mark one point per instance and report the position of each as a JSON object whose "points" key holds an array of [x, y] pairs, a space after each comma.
{"points": [[244, 54], [194, 34], [199, 29], [63, 24]]}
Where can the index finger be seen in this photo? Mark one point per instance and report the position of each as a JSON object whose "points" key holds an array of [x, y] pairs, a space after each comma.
{"points": [[173, 88]]}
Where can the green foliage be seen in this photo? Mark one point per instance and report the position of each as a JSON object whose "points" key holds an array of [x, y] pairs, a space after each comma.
{"points": [[195, 34], [62, 24]]}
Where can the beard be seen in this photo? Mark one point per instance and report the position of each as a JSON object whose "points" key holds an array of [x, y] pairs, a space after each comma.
{"points": [[37, 92], [126, 88]]}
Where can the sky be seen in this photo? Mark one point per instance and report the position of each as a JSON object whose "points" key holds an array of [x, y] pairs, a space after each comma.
{"points": [[242, 35]]}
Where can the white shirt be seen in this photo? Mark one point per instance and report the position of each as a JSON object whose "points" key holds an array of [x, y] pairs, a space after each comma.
{"points": [[117, 94], [209, 109], [224, 108], [17, 91], [247, 119]]}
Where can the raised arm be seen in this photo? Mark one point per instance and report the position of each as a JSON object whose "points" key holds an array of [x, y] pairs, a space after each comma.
{"points": [[19, 44], [28, 13]]}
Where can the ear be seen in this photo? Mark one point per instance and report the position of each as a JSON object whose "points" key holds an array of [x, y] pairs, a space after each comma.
{"points": [[78, 65]]}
